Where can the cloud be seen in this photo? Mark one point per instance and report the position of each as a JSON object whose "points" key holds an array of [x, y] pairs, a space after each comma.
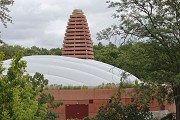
{"points": [[43, 22]]}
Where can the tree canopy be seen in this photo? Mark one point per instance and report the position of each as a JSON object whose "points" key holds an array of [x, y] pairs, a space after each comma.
{"points": [[157, 22], [19, 92], [11, 50], [4, 11]]}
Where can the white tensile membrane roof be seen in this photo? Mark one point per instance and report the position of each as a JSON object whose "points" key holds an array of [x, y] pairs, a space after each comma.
{"points": [[69, 71]]}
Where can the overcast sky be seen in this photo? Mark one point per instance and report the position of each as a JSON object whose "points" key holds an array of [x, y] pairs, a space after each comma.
{"points": [[43, 22]]}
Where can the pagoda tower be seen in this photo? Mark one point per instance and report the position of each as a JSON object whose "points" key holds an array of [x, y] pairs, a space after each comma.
{"points": [[77, 40]]}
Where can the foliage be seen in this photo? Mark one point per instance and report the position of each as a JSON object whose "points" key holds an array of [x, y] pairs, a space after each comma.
{"points": [[106, 54], [48, 98], [10, 51], [88, 118], [60, 87], [147, 92], [115, 110], [170, 116], [123, 84], [132, 57], [41, 51], [19, 91], [157, 20], [4, 11], [158, 24], [137, 60], [55, 51], [103, 86]]}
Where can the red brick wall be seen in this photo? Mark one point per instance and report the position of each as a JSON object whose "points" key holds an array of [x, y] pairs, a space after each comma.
{"points": [[99, 97]]}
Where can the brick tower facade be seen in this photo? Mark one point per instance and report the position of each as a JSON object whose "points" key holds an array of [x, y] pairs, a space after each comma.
{"points": [[77, 40]]}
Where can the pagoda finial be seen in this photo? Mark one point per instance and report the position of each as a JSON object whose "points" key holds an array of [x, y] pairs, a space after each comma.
{"points": [[77, 11]]}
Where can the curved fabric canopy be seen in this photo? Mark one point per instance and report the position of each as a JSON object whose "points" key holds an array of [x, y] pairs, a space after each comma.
{"points": [[69, 71]]}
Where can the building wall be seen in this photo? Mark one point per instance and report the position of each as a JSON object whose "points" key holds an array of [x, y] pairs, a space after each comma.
{"points": [[94, 98]]}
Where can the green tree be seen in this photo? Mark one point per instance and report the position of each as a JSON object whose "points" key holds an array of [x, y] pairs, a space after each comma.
{"points": [[55, 51], [33, 51], [10, 50], [134, 58], [157, 23], [107, 54], [4, 11], [115, 110], [19, 91]]}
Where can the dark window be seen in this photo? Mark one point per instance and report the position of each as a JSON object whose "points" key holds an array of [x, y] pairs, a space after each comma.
{"points": [[90, 101]]}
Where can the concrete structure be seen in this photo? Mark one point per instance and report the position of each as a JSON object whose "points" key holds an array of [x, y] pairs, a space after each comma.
{"points": [[77, 40]]}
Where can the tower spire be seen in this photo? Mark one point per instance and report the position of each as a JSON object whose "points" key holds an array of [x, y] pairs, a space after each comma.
{"points": [[77, 40]]}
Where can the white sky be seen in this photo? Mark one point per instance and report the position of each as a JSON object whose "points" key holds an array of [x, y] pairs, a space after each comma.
{"points": [[43, 22]]}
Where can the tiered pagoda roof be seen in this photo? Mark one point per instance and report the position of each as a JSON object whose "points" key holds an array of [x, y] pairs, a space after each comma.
{"points": [[77, 40]]}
